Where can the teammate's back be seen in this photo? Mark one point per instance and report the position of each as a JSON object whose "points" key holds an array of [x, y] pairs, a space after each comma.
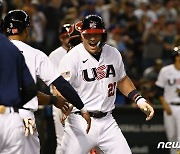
{"points": [[17, 87], [11, 68]]}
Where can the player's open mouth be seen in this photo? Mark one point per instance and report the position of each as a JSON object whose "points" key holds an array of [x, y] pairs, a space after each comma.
{"points": [[93, 44]]}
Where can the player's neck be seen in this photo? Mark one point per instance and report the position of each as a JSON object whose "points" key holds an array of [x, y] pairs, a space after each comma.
{"points": [[65, 47], [97, 55], [15, 37], [177, 65]]}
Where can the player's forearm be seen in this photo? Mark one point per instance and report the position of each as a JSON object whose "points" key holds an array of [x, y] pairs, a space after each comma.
{"points": [[68, 92], [28, 92], [163, 102], [126, 86], [44, 99], [129, 90], [160, 92]]}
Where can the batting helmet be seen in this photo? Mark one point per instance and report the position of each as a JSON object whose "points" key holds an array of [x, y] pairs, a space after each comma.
{"points": [[75, 37], [15, 22], [175, 52], [64, 30], [93, 24]]}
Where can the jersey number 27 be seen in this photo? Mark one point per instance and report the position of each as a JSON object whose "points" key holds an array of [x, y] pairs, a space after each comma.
{"points": [[111, 89]]}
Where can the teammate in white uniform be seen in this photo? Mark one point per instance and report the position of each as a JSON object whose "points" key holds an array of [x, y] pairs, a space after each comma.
{"points": [[57, 54], [16, 25], [69, 36], [168, 83], [16, 88], [55, 58], [95, 69]]}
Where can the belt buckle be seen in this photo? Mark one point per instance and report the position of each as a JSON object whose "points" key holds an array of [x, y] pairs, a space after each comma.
{"points": [[2, 109], [96, 114], [93, 114]]}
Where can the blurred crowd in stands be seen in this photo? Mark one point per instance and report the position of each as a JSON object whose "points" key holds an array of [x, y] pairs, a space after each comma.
{"points": [[144, 31]]}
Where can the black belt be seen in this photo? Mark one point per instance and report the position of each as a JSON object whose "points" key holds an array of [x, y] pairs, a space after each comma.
{"points": [[175, 103], [16, 109], [96, 114], [12, 109]]}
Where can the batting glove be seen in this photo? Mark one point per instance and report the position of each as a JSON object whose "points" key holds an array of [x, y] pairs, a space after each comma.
{"points": [[30, 126], [146, 108]]}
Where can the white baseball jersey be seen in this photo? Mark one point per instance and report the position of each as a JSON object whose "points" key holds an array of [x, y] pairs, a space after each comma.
{"points": [[55, 58], [56, 55], [169, 79], [39, 65], [95, 81]]}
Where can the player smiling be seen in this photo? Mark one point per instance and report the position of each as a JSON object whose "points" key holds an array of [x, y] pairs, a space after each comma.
{"points": [[95, 69]]}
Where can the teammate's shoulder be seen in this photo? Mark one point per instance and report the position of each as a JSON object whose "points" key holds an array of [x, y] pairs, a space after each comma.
{"points": [[17, 42], [167, 68], [72, 55], [59, 51], [75, 50], [78, 47], [22, 45], [36, 52]]}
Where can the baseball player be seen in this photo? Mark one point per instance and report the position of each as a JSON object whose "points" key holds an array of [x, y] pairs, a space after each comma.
{"points": [[168, 84], [69, 36], [16, 24], [16, 88], [95, 69], [55, 58], [57, 54]]}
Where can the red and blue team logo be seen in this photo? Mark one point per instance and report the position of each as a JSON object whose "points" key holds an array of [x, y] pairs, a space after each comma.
{"points": [[101, 72]]}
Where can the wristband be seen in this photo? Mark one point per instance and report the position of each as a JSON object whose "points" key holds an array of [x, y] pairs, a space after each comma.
{"points": [[53, 100], [141, 101], [83, 110], [134, 95]]}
